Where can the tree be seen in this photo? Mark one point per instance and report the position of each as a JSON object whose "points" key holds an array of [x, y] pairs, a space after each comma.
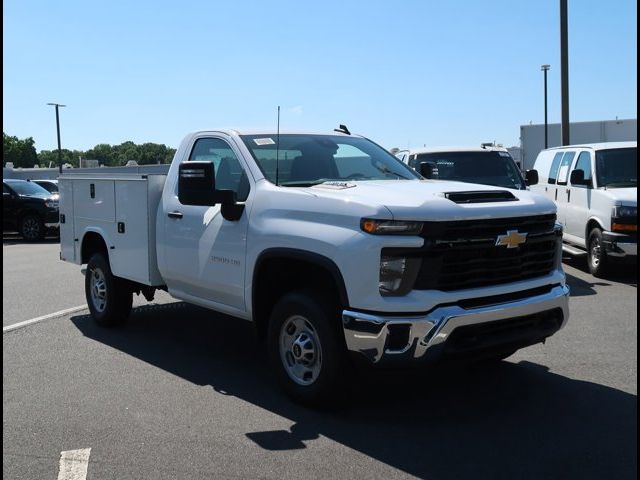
{"points": [[21, 152], [48, 158]]}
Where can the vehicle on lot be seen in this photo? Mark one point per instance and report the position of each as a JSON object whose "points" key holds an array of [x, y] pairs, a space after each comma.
{"points": [[50, 186], [487, 165], [28, 209], [330, 245], [595, 187]]}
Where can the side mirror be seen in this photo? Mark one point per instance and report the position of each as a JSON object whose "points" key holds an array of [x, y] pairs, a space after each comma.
{"points": [[428, 170], [577, 177], [532, 177], [197, 186]]}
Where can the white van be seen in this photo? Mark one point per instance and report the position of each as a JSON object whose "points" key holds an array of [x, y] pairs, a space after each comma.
{"points": [[596, 190], [486, 165]]}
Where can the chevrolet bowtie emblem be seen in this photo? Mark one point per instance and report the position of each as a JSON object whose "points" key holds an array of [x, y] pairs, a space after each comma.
{"points": [[512, 239]]}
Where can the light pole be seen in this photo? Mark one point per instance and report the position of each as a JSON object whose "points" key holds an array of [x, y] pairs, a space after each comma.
{"points": [[545, 68], [57, 105], [564, 71]]}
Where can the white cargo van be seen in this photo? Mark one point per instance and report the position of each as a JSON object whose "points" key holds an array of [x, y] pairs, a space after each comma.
{"points": [[596, 190]]}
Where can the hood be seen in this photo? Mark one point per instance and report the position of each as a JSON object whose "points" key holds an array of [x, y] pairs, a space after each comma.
{"points": [[425, 199], [42, 196], [626, 196]]}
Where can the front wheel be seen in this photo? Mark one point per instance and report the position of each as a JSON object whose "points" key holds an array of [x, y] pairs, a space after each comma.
{"points": [[306, 349], [597, 256], [32, 228], [108, 297]]}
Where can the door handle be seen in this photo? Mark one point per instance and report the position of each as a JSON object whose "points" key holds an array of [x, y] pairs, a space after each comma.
{"points": [[174, 215]]}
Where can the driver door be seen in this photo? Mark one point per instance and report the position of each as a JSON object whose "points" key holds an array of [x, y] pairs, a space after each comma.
{"points": [[205, 254]]}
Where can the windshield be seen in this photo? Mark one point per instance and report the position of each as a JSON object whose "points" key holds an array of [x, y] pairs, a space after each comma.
{"points": [[305, 160], [27, 188], [617, 168], [488, 168]]}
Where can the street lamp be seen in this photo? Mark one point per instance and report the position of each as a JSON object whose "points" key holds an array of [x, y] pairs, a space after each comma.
{"points": [[57, 105], [545, 68]]}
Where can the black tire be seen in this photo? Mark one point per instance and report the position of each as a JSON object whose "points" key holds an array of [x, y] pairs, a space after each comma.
{"points": [[596, 255], [326, 388], [113, 307], [32, 228]]}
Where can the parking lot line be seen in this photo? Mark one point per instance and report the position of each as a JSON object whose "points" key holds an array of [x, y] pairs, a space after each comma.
{"points": [[59, 313], [74, 464]]}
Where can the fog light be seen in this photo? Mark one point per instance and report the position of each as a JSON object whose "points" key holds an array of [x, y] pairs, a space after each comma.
{"points": [[391, 272]]}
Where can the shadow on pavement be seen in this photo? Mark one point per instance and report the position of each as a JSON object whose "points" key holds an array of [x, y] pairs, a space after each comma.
{"points": [[505, 421], [8, 239], [621, 271]]}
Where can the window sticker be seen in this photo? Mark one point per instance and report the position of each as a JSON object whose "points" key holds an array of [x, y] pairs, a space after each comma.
{"points": [[264, 141]]}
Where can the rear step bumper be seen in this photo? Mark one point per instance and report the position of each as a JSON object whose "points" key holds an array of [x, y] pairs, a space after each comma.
{"points": [[453, 330]]}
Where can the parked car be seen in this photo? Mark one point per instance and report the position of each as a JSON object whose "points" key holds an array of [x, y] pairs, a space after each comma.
{"points": [[28, 209], [596, 190], [49, 185], [485, 165], [332, 247]]}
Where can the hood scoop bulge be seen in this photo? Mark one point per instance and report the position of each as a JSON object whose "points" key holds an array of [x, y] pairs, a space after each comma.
{"points": [[488, 196]]}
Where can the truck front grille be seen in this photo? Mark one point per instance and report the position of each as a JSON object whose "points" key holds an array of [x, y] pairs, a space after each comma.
{"points": [[464, 254]]}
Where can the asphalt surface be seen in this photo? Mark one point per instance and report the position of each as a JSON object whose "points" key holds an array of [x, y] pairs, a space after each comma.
{"points": [[182, 392]]}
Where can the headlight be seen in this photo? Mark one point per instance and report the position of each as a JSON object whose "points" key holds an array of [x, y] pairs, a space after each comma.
{"points": [[624, 219], [51, 203], [390, 227], [397, 274], [622, 211]]}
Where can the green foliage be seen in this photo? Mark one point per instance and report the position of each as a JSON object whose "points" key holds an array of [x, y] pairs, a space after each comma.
{"points": [[21, 152], [116, 155]]}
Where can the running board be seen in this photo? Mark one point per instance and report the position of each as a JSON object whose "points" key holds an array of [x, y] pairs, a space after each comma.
{"points": [[573, 250]]}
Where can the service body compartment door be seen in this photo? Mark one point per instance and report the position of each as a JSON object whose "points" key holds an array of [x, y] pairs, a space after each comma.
{"points": [[130, 256], [67, 232], [94, 199]]}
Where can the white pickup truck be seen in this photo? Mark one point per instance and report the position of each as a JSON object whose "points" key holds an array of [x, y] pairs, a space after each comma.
{"points": [[333, 248]]}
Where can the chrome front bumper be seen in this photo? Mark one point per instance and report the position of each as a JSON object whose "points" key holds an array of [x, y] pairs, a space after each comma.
{"points": [[370, 334]]}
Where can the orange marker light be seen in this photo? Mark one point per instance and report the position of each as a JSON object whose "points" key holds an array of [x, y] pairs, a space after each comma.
{"points": [[369, 226]]}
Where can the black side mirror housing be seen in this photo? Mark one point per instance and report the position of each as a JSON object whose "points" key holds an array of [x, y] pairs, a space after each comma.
{"points": [[577, 177], [197, 186], [531, 177], [428, 170]]}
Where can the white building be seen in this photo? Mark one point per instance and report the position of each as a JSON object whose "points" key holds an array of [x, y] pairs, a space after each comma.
{"points": [[532, 136]]}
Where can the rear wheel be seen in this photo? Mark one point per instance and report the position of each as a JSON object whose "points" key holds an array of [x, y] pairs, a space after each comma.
{"points": [[306, 349], [108, 297], [597, 256], [32, 228]]}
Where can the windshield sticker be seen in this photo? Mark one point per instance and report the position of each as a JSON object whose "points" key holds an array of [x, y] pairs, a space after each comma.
{"points": [[264, 141]]}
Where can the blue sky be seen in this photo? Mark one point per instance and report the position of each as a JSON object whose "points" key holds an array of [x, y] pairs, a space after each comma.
{"points": [[403, 73]]}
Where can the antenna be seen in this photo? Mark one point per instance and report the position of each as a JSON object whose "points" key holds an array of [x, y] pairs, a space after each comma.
{"points": [[342, 129], [278, 146]]}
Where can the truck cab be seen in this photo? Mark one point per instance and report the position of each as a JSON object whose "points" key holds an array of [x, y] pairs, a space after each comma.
{"points": [[487, 165]]}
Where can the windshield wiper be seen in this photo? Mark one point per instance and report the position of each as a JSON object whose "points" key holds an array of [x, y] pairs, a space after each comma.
{"points": [[308, 183]]}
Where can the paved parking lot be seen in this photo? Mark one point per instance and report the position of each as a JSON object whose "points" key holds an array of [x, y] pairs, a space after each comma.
{"points": [[182, 392]]}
